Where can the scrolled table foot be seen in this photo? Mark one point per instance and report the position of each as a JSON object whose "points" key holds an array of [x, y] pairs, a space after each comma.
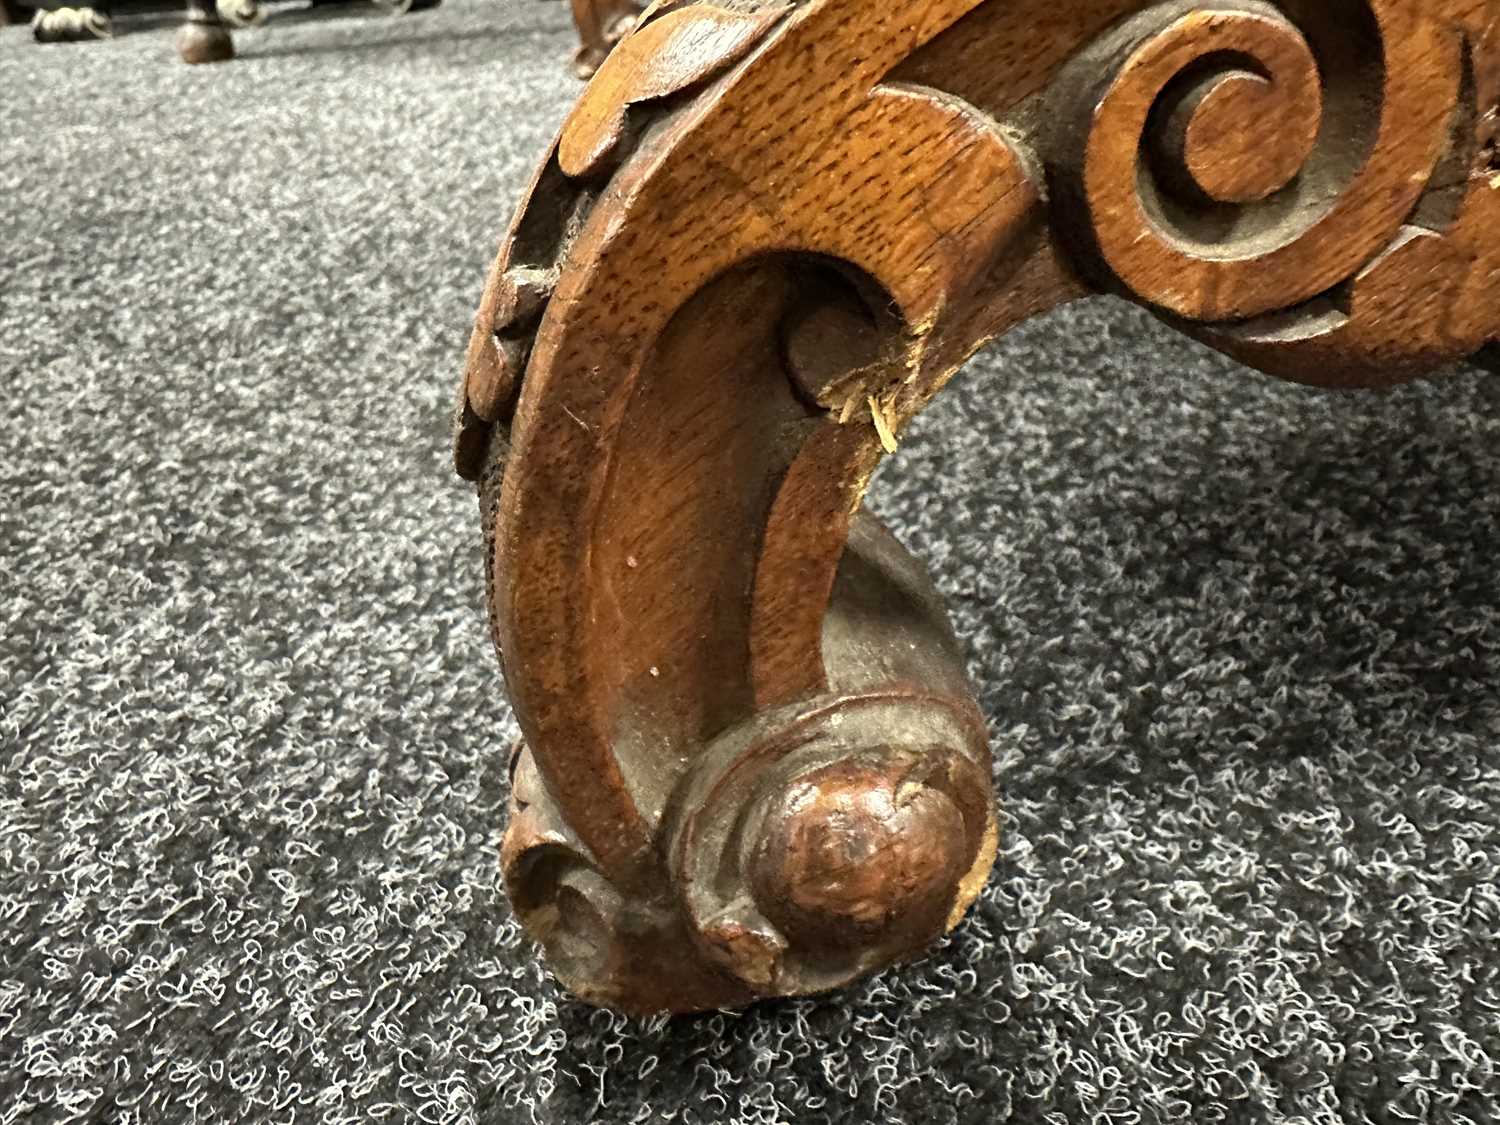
{"points": [[810, 844]]}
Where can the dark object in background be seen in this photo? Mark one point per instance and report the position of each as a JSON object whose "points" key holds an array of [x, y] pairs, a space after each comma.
{"points": [[749, 768]]}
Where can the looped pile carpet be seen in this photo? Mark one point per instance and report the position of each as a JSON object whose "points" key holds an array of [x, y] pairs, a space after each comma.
{"points": [[1239, 643]]}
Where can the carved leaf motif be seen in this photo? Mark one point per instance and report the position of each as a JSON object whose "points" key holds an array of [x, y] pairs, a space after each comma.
{"points": [[666, 55]]}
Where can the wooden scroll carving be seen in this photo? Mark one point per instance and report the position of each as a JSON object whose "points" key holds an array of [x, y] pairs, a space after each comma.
{"points": [[766, 236]]}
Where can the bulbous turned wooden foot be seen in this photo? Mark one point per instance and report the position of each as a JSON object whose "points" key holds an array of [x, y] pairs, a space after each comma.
{"points": [[766, 237], [204, 38]]}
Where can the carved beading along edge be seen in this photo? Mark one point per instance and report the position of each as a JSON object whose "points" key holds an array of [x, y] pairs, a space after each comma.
{"points": [[850, 198], [560, 198]]}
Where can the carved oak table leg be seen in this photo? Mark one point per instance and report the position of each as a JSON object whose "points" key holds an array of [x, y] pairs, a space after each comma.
{"points": [[766, 236], [204, 38]]}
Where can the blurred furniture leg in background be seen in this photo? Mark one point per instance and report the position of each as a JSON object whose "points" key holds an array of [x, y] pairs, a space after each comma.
{"points": [[204, 38], [601, 24]]}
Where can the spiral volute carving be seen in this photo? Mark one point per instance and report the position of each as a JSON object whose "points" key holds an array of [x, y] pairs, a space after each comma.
{"points": [[1227, 161]]}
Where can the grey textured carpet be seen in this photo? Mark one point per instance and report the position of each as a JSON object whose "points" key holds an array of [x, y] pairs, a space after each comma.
{"points": [[1239, 642]]}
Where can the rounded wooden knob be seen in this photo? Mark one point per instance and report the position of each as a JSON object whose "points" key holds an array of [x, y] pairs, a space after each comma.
{"points": [[831, 837], [854, 853]]}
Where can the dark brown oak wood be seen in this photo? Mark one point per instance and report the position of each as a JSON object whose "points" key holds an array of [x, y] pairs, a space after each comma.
{"points": [[769, 232]]}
